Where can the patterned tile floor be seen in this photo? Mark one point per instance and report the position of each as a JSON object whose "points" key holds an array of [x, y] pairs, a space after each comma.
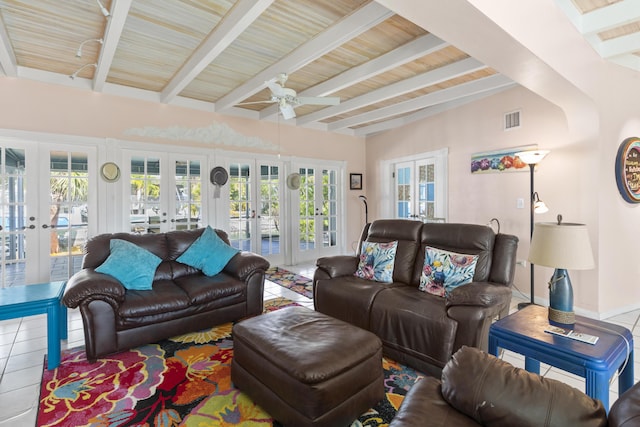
{"points": [[23, 344]]}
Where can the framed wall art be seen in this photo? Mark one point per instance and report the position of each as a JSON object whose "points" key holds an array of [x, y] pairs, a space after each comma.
{"points": [[355, 181], [628, 170]]}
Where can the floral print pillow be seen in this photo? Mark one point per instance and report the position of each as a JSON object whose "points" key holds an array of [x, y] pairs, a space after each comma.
{"points": [[443, 271], [376, 261]]}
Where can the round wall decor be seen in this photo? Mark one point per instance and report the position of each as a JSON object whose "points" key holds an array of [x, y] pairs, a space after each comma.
{"points": [[628, 169], [110, 172]]}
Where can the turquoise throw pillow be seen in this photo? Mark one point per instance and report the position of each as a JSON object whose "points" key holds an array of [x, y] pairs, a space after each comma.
{"points": [[208, 253], [443, 271], [132, 265], [377, 261]]}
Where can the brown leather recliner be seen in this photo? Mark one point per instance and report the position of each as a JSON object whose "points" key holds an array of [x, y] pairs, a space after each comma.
{"points": [[479, 389], [417, 328], [182, 300]]}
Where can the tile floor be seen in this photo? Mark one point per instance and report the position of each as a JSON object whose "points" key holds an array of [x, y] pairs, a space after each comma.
{"points": [[23, 345]]}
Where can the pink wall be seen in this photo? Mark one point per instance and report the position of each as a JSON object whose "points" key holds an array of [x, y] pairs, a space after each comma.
{"points": [[476, 198], [40, 107]]}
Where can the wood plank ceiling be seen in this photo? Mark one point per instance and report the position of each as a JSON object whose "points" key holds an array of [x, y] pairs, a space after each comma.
{"points": [[612, 27], [216, 54]]}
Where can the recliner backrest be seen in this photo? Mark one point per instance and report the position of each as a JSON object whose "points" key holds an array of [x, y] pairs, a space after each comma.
{"points": [[407, 233], [471, 239]]}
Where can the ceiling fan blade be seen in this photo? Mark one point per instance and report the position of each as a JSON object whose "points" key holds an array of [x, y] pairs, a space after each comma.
{"points": [[256, 102], [318, 100]]}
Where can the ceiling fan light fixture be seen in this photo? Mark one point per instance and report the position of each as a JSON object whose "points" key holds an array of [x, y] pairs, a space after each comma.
{"points": [[287, 111]]}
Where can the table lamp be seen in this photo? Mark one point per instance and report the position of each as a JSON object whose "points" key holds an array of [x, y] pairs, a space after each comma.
{"points": [[563, 246]]}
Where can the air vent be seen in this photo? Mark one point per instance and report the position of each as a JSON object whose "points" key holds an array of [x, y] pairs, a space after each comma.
{"points": [[512, 120]]}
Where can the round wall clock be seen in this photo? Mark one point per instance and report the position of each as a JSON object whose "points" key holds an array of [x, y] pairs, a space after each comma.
{"points": [[628, 169], [110, 172]]}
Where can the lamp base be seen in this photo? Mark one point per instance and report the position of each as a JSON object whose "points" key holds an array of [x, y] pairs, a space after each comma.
{"points": [[561, 300], [565, 319]]}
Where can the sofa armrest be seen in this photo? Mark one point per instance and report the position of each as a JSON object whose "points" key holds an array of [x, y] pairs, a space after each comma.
{"points": [[243, 264], [338, 265], [87, 283], [424, 402], [481, 294]]}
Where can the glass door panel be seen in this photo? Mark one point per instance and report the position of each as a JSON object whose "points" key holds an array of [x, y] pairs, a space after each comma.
{"points": [[13, 207], [241, 210], [404, 191], [329, 208], [68, 212], [188, 200], [308, 209], [269, 216], [146, 212]]}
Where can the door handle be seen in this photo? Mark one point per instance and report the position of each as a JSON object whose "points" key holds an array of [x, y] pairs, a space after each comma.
{"points": [[31, 227], [45, 226]]}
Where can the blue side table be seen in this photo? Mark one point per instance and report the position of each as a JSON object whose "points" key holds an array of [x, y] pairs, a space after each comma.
{"points": [[523, 332], [28, 300]]}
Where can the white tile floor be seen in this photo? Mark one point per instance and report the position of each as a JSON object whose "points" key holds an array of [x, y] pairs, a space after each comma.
{"points": [[23, 345]]}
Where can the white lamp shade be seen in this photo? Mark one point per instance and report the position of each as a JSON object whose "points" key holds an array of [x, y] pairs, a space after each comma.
{"points": [[532, 157], [564, 245]]}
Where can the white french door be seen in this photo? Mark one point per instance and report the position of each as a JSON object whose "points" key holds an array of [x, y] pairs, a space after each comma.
{"points": [[19, 229], [253, 206], [316, 207], [418, 191], [68, 217], [164, 192]]}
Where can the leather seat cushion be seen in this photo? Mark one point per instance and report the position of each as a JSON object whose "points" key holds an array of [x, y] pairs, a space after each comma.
{"points": [[348, 298], [165, 297], [394, 309], [312, 362], [202, 289]]}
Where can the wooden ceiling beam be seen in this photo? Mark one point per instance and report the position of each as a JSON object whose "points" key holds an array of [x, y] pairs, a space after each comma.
{"points": [[8, 60], [411, 84], [344, 30], [404, 54], [234, 23], [441, 96], [119, 12]]}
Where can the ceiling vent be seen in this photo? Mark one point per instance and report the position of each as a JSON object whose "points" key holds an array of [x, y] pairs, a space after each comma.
{"points": [[512, 120]]}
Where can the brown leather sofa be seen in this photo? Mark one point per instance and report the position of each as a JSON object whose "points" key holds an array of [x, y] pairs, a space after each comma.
{"points": [[182, 300], [479, 389], [417, 328]]}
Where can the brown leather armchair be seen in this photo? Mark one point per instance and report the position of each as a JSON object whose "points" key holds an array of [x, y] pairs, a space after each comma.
{"points": [[417, 328], [479, 389]]}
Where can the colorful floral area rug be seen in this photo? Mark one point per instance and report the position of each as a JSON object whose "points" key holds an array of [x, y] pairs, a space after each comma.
{"points": [[182, 381], [295, 282]]}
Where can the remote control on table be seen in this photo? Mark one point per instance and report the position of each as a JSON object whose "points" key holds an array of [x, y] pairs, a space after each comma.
{"points": [[589, 339]]}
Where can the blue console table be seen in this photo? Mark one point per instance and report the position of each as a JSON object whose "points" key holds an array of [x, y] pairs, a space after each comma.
{"points": [[523, 332], [29, 300]]}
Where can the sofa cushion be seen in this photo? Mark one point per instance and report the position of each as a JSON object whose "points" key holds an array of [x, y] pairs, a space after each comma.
{"points": [[470, 239], [377, 261], [132, 265], [208, 253], [443, 271], [502, 395]]}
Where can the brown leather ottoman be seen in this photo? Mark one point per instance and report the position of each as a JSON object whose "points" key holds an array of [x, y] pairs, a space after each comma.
{"points": [[306, 368]]}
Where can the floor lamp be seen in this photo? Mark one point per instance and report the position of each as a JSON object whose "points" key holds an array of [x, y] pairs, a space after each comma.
{"points": [[366, 208], [532, 158]]}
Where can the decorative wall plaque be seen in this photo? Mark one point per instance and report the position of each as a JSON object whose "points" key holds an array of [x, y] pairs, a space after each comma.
{"points": [[628, 169]]}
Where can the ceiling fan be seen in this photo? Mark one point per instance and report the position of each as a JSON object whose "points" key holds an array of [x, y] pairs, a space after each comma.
{"points": [[287, 98]]}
